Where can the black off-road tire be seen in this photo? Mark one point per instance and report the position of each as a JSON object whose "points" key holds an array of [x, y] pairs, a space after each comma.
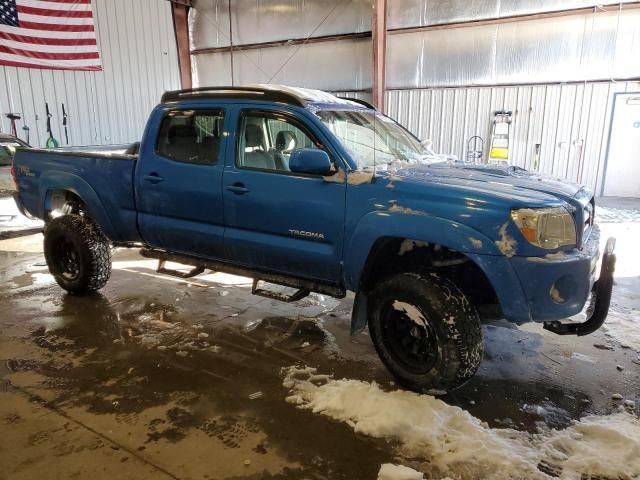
{"points": [[77, 254], [441, 355]]}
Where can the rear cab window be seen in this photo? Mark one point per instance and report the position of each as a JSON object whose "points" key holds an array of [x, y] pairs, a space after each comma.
{"points": [[191, 136]]}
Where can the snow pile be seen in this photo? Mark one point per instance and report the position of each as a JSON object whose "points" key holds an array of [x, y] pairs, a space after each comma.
{"points": [[624, 327], [389, 471], [455, 442]]}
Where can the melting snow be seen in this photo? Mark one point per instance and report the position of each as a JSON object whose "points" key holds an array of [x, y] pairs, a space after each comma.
{"points": [[395, 208], [408, 245], [506, 244], [476, 243], [456, 443], [358, 177], [624, 327], [554, 293], [412, 312], [389, 471]]}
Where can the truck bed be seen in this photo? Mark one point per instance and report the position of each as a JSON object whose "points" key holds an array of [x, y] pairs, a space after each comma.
{"points": [[103, 179]]}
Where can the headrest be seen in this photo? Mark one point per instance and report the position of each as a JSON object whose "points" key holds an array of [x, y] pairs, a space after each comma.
{"points": [[286, 141], [253, 136], [182, 132]]}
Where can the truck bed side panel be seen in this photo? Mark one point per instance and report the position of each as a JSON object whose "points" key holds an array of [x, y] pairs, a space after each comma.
{"points": [[103, 182]]}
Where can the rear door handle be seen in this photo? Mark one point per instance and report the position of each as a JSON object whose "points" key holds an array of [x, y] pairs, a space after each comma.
{"points": [[238, 188], [153, 178]]}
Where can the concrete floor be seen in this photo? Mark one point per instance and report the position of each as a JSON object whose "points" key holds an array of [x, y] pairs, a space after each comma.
{"points": [[164, 378]]}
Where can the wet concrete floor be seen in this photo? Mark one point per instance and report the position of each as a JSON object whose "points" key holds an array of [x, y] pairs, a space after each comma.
{"points": [[158, 377]]}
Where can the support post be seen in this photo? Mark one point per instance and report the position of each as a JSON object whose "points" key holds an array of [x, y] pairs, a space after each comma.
{"points": [[180, 12], [379, 49]]}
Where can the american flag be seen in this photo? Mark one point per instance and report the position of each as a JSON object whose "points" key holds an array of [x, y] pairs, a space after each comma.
{"points": [[53, 34]]}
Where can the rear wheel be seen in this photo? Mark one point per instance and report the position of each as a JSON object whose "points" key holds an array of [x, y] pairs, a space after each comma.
{"points": [[77, 254], [425, 331]]}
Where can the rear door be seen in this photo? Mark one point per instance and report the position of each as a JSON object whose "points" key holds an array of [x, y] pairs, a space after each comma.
{"points": [[178, 182], [276, 219]]}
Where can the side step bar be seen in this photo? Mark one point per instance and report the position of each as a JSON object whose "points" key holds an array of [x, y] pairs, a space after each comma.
{"points": [[175, 273], [304, 286], [283, 297]]}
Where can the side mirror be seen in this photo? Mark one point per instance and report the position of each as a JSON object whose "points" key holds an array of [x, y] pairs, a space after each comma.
{"points": [[310, 160]]}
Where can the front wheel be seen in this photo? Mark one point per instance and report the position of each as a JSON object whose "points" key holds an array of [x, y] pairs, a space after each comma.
{"points": [[77, 254], [425, 331]]}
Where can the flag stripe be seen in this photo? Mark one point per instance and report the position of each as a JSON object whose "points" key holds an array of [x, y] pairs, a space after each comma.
{"points": [[50, 5], [27, 17], [56, 27], [54, 13], [43, 41], [8, 57], [10, 63], [48, 55], [47, 34], [71, 1], [47, 48]]}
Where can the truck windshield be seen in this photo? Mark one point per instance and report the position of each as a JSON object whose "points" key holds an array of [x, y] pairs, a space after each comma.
{"points": [[373, 139]]}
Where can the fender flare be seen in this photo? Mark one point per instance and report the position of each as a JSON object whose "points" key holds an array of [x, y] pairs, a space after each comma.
{"points": [[425, 228], [476, 246], [69, 182]]}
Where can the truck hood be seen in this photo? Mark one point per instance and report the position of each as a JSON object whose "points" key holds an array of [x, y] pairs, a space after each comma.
{"points": [[506, 180]]}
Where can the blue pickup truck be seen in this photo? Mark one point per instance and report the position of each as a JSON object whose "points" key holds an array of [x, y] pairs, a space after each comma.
{"points": [[302, 189]]}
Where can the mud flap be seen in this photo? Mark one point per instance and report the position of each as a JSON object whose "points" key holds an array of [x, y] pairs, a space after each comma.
{"points": [[360, 312]]}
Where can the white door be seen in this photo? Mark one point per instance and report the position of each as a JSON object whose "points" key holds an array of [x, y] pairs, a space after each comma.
{"points": [[622, 177]]}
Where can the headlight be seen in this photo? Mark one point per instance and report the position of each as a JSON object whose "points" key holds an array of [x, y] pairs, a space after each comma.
{"points": [[548, 228]]}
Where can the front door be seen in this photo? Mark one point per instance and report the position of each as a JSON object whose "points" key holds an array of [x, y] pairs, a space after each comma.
{"points": [[276, 219], [178, 183]]}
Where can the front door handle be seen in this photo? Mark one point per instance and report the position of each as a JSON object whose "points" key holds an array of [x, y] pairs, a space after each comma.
{"points": [[153, 178], [238, 188]]}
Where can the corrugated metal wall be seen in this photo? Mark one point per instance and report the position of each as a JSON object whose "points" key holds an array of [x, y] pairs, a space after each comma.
{"points": [[594, 46], [341, 64], [139, 60], [568, 124], [307, 65], [420, 13]]}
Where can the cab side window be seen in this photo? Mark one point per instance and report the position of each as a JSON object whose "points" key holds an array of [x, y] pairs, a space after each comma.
{"points": [[266, 140], [191, 136]]}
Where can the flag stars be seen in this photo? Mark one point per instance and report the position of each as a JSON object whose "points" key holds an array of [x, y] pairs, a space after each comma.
{"points": [[8, 13]]}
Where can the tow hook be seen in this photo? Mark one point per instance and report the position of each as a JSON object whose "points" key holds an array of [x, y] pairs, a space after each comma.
{"points": [[600, 299]]}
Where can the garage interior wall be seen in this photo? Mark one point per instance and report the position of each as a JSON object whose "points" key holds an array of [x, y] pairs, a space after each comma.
{"points": [[139, 61], [450, 65]]}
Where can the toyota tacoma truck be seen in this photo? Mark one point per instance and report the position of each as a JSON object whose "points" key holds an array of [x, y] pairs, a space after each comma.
{"points": [[302, 189]]}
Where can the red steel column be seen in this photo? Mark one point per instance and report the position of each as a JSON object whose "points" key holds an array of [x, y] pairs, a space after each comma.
{"points": [[180, 10], [379, 49]]}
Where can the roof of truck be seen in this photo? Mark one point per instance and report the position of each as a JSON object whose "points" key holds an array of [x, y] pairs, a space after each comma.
{"points": [[301, 97]]}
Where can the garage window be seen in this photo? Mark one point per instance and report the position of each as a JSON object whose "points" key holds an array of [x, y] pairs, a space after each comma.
{"points": [[191, 136]]}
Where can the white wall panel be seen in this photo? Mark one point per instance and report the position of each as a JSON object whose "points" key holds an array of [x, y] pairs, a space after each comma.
{"points": [[139, 61], [593, 46], [257, 21], [570, 122], [420, 13], [336, 65]]}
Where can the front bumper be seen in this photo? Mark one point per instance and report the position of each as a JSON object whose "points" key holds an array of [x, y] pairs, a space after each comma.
{"points": [[600, 299], [557, 286]]}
